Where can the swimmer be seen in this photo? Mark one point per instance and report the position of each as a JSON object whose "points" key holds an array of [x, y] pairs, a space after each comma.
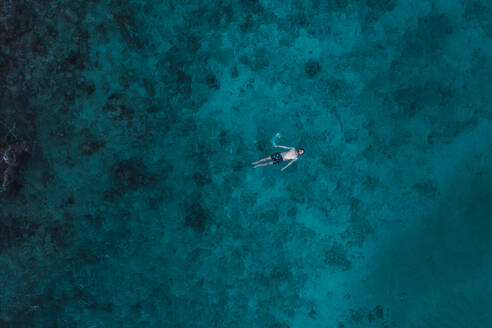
{"points": [[292, 154]]}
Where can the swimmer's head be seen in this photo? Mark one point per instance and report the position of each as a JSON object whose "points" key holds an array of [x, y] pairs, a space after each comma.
{"points": [[300, 151]]}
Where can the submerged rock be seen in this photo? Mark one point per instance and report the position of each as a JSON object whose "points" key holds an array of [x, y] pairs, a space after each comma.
{"points": [[10, 160]]}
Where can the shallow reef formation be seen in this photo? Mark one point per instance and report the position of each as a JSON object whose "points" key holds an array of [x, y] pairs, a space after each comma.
{"points": [[10, 160], [128, 129]]}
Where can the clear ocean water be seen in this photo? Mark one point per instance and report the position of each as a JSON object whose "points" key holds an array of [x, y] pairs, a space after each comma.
{"points": [[138, 206]]}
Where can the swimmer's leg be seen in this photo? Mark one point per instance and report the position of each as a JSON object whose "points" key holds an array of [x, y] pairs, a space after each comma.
{"points": [[262, 160], [269, 163]]}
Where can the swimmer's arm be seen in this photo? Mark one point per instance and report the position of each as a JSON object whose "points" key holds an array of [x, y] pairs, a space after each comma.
{"points": [[286, 166], [282, 147]]}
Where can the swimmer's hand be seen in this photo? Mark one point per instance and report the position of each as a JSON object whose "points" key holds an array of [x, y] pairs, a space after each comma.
{"points": [[286, 166]]}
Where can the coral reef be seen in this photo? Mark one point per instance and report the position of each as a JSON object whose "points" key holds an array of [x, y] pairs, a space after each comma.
{"points": [[139, 119], [11, 158]]}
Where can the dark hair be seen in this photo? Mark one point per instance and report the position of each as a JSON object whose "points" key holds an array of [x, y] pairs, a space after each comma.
{"points": [[301, 149]]}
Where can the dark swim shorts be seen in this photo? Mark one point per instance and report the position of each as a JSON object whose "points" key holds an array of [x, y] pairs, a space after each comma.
{"points": [[276, 158]]}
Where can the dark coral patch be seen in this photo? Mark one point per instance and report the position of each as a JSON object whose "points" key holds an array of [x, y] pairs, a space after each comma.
{"points": [[129, 29], [223, 138], [358, 231], [88, 255], [381, 5], [196, 217], [312, 68], [378, 312], [235, 72], [15, 231], [337, 5], [90, 146], [360, 315], [212, 82], [336, 257], [261, 59], [74, 60], [61, 231], [17, 22], [223, 14], [201, 180], [86, 88], [117, 110], [131, 174], [253, 6]]}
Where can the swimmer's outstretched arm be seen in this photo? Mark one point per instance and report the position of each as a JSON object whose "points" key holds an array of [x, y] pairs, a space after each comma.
{"points": [[286, 166], [282, 147]]}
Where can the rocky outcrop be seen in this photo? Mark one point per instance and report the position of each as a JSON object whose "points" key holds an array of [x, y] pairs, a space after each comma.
{"points": [[10, 160]]}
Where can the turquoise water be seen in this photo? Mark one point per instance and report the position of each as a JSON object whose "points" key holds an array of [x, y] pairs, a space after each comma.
{"points": [[138, 206]]}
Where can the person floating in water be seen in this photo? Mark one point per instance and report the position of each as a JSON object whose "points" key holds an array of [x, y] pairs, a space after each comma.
{"points": [[292, 154]]}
